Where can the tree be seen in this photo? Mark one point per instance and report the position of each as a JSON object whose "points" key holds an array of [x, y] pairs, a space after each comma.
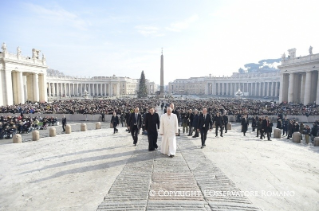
{"points": [[142, 92]]}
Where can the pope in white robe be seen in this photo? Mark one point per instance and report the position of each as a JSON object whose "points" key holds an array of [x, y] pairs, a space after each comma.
{"points": [[168, 131]]}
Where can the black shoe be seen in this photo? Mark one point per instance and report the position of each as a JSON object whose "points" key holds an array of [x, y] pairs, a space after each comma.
{"points": [[221, 136], [269, 140], [226, 132], [171, 156]]}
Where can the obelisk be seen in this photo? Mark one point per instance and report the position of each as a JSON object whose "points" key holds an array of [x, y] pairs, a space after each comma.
{"points": [[162, 76]]}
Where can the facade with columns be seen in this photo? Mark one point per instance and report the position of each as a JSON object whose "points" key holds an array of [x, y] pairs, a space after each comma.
{"points": [[22, 78], [299, 78], [29, 79], [66, 86], [254, 84]]}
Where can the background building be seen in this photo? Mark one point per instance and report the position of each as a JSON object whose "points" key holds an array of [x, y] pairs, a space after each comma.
{"points": [[299, 78], [22, 78], [60, 86], [254, 84]]}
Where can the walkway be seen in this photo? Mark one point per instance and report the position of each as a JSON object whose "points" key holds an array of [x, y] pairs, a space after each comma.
{"points": [[189, 181]]}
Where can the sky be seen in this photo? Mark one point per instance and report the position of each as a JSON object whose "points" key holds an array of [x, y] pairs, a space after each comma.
{"points": [[124, 37]]}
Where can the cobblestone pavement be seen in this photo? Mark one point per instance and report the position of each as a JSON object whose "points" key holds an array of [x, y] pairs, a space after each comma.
{"points": [[153, 181]]}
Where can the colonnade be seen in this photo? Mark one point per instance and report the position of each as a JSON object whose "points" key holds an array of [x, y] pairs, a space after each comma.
{"points": [[62, 89], [256, 89], [26, 86], [300, 87]]}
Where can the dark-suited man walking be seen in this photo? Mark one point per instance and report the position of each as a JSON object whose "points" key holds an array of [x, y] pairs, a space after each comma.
{"points": [[63, 123], [219, 123], [267, 127], [152, 123], [204, 124], [244, 124], [135, 123], [225, 118]]}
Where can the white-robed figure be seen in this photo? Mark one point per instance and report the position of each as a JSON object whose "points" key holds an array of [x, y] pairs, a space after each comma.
{"points": [[168, 131]]}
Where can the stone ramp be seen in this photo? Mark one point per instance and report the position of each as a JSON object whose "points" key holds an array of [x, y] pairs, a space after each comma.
{"points": [[153, 181]]}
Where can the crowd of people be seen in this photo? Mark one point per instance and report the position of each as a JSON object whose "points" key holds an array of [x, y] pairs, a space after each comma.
{"points": [[188, 112], [108, 106], [11, 125]]}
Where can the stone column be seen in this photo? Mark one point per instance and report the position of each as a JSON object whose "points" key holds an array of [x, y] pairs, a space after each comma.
{"points": [[275, 88], [20, 88], [111, 89], [61, 89], [53, 89], [317, 95], [118, 89], [50, 89], [35, 87], [101, 92], [256, 91], [291, 88], [281, 90], [227, 89], [105, 89], [45, 87], [307, 88], [8, 87]]}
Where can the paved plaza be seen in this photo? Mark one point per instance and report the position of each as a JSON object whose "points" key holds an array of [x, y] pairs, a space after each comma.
{"points": [[97, 170]]}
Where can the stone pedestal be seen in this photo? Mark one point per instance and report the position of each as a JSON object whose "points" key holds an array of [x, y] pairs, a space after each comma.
{"points": [[228, 126], [316, 142], [277, 133], [98, 125], [296, 137], [35, 135], [67, 129], [52, 132], [17, 138], [83, 127]]}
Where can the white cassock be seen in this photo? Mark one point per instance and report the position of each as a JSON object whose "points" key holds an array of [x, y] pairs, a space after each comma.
{"points": [[169, 128]]}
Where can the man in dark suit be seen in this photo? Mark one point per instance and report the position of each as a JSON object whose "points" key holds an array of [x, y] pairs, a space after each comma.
{"points": [[244, 124], [190, 122], [225, 118], [204, 124], [103, 116], [152, 123], [195, 123], [135, 123], [63, 123], [174, 111], [219, 123], [267, 127]]}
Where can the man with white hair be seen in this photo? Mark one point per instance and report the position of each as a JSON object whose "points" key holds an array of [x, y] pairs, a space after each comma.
{"points": [[168, 131]]}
